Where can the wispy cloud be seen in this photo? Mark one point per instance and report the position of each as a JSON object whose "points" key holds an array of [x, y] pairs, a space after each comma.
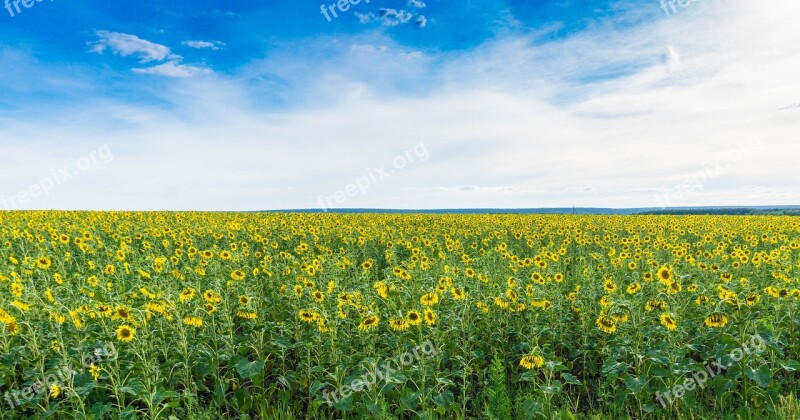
{"points": [[172, 69], [129, 45], [212, 45]]}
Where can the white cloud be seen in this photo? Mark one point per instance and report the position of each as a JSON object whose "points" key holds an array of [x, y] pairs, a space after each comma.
{"points": [[212, 45], [172, 69], [126, 45], [392, 17], [416, 3]]}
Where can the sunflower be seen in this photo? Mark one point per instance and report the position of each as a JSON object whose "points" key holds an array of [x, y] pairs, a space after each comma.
{"points": [[187, 294], [43, 263], [94, 370], [668, 322], [122, 312], [716, 320], [193, 321], [673, 287], [634, 288], [752, 299], [429, 299], [308, 316], [244, 299], [381, 289], [55, 390], [238, 275], [125, 333], [414, 317], [664, 275], [369, 323], [458, 294], [430, 317], [104, 310], [211, 297], [609, 286], [399, 324], [606, 324], [532, 361], [558, 277], [652, 305], [512, 294], [246, 315]]}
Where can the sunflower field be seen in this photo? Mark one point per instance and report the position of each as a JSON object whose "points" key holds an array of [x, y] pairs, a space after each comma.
{"points": [[279, 315]]}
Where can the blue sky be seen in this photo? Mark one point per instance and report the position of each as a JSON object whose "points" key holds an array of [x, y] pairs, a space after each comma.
{"points": [[250, 105]]}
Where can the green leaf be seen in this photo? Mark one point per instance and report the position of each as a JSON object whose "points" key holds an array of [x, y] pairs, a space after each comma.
{"points": [[790, 365], [409, 399], [445, 399], [570, 379], [529, 376], [555, 366], [247, 369], [614, 369], [762, 376], [636, 385], [553, 389]]}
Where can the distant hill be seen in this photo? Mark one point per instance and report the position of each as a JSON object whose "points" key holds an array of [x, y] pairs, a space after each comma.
{"points": [[732, 210]]}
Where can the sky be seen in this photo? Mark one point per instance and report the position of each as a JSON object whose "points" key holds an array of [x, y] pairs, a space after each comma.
{"points": [[420, 104]]}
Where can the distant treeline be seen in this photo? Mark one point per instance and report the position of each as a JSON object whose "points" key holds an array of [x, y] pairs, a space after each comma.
{"points": [[725, 212]]}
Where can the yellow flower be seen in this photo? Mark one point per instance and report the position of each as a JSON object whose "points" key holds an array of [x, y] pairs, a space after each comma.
{"points": [[634, 288], [606, 324], [187, 294], [193, 321], [458, 294], [246, 315], [414, 317], [429, 299], [381, 289], [238, 275], [55, 390], [399, 324], [308, 316], [430, 317], [318, 296], [716, 320], [125, 333], [94, 370], [668, 322], [43, 263], [532, 361], [369, 323], [664, 275]]}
